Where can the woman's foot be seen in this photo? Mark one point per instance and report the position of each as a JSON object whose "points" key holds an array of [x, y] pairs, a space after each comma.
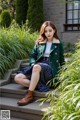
{"points": [[27, 99]]}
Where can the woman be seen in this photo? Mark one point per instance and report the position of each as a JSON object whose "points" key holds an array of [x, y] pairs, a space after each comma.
{"points": [[45, 61]]}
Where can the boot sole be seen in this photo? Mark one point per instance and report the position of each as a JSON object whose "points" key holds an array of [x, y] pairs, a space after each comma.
{"points": [[22, 104]]}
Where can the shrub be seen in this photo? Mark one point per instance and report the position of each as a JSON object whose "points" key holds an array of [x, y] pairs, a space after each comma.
{"points": [[69, 47], [21, 11], [5, 18], [15, 43], [35, 14], [0, 9], [67, 105]]}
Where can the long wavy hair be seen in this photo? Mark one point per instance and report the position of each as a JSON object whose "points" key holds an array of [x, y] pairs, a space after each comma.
{"points": [[44, 25]]}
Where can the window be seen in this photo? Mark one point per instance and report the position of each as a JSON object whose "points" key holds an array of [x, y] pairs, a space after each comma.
{"points": [[72, 15]]}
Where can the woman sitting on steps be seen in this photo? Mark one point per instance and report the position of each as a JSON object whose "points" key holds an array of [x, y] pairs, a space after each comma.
{"points": [[45, 61]]}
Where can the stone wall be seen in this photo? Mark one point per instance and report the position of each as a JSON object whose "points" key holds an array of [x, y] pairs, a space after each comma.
{"points": [[55, 10]]}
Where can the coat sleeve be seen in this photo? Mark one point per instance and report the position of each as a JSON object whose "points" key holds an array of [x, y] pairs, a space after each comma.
{"points": [[62, 61], [33, 56]]}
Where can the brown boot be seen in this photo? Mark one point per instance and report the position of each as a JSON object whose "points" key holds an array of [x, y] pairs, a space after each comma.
{"points": [[27, 99]]}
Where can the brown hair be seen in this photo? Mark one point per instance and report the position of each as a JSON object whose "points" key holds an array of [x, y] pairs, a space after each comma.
{"points": [[44, 25]]}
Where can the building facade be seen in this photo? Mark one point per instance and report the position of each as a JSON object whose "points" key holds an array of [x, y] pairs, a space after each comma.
{"points": [[65, 14]]}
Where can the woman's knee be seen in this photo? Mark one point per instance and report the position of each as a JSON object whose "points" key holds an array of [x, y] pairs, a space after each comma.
{"points": [[36, 68], [18, 77]]}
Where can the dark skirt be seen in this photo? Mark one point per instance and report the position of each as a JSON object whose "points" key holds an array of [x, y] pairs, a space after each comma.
{"points": [[46, 75]]}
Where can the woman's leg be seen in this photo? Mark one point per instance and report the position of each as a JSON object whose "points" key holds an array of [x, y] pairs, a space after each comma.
{"points": [[35, 77], [34, 80], [22, 80]]}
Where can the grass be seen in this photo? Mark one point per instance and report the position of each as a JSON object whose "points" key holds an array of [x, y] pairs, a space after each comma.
{"points": [[15, 43], [67, 105], [69, 49]]}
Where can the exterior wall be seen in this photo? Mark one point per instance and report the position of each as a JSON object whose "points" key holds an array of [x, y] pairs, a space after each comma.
{"points": [[55, 11]]}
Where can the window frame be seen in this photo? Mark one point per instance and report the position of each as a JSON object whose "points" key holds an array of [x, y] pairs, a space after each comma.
{"points": [[72, 25]]}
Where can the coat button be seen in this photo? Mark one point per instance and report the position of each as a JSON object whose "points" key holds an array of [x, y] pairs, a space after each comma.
{"points": [[55, 53], [57, 61], [41, 52], [55, 46]]}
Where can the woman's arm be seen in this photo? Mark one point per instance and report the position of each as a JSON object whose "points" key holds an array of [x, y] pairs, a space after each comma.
{"points": [[34, 53]]}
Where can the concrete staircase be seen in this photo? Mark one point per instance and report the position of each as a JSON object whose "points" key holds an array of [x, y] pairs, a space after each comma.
{"points": [[10, 93]]}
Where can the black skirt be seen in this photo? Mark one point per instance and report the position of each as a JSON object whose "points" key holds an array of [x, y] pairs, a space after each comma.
{"points": [[46, 74]]}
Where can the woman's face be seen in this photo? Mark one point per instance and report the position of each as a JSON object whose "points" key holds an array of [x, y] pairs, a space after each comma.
{"points": [[49, 32]]}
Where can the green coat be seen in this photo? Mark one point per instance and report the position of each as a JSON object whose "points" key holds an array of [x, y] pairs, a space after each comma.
{"points": [[56, 56]]}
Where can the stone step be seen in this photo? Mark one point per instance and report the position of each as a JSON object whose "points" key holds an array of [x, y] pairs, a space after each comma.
{"points": [[12, 77], [11, 118], [32, 111], [23, 65], [17, 91], [25, 60]]}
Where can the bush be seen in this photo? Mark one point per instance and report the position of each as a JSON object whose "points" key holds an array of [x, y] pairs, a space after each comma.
{"points": [[35, 14], [5, 18], [0, 9], [21, 11], [15, 43], [67, 105], [69, 47]]}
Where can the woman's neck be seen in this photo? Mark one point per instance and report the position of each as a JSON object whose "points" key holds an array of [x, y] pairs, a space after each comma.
{"points": [[50, 40]]}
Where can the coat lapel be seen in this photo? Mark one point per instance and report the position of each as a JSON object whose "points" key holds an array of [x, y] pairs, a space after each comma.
{"points": [[54, 45], [43, 46]]}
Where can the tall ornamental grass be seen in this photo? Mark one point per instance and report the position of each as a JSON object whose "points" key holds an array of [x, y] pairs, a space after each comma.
{"points": [[66, 104], [15, 43]]}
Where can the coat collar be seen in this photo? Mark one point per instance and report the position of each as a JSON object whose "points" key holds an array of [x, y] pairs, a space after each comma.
{"points": [[54, 41]]}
